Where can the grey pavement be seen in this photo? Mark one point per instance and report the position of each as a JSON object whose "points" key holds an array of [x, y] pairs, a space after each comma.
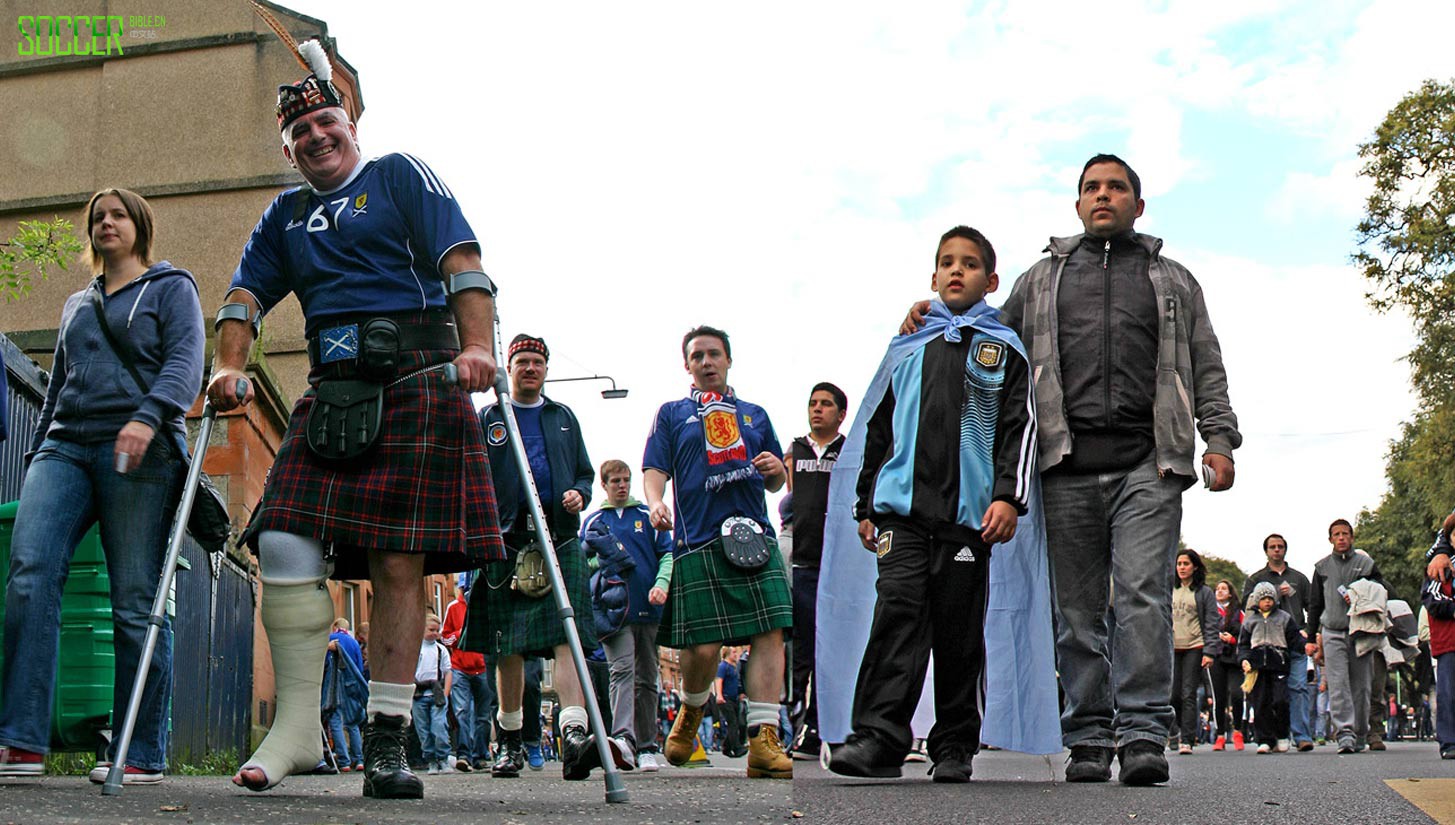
{"points": [[1224, 788], [716, 795]]}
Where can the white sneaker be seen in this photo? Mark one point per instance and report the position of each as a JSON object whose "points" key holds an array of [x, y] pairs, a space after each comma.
{"points": [[434, 769], [647, 762], [1283, 746], [1264, 749]]}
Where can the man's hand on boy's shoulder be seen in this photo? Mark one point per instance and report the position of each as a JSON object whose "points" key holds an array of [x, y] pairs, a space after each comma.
{"points": [[915, 319], [998, 523], [868, 536]]}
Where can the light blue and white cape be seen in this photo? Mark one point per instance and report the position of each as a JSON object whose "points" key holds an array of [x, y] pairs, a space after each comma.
{"points": [[1020, 702]]}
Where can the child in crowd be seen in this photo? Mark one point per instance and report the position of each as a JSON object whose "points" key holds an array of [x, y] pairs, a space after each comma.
{"points": [[1268, 635], [948, 457]]}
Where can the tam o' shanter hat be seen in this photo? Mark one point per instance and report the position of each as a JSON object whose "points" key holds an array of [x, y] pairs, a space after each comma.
{"points": [[314, 92]]}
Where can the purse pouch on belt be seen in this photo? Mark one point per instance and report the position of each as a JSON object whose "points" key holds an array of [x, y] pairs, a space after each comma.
{"points": [[744, 544], [530, 579], [345, 418]]}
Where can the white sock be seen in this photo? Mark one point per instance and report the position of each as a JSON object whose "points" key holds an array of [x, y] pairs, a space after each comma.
{"points": [[296, 618], [513, 720], [695, 700], [389, 699], [762, 713], [573, 716]]}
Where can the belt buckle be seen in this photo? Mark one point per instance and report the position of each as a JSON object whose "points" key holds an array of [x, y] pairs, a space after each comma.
{"points": [[338, 344]]}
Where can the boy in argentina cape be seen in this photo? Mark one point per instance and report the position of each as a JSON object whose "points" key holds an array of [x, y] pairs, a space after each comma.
{"points": [[948, 465], [1264, 643]]}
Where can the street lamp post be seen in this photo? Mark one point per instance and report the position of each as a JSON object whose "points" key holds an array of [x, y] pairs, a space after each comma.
{"points": [[610, 394]]}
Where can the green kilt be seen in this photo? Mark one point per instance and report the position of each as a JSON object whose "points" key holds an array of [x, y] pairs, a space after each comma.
{"points": [[710, 601], [502, 622]]}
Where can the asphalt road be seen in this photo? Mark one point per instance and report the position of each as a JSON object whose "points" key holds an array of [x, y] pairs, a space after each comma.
{"points": [[716, 795], [1224, 788]]}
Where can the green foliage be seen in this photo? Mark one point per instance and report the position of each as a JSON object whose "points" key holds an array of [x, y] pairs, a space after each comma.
{"points": [[1407, 237], [28, 256], [1221, 568]]}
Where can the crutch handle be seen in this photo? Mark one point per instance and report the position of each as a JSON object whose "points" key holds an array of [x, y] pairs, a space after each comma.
{"points": [[451, 374]]}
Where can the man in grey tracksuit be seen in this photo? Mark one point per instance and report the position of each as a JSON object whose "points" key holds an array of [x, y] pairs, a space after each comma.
{"points": [[1125, 359], [1345, 671]]}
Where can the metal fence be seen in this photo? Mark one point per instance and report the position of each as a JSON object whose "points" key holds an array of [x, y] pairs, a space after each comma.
{"points": [[25, 384]]}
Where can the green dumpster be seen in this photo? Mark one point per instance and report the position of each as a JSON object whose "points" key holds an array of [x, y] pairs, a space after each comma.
{"points": [[83, 692]]}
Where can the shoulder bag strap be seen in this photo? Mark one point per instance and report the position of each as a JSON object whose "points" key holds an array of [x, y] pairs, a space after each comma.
{"points": [[122, 353]]}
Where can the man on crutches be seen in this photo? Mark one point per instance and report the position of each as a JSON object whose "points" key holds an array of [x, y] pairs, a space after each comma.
{"points": [[729, 582], [382, 473], [512, 615]]}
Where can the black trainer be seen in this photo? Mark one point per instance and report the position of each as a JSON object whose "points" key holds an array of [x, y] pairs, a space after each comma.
{"points": [[1143, 763], [511, 759], [578, 753], [386, 766], [1089, 763], [862, 756], [952, 765]]}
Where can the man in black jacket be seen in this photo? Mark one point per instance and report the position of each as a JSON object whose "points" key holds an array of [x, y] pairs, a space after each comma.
{"points": [[1293, 597], [512, 621], [811, 459]]}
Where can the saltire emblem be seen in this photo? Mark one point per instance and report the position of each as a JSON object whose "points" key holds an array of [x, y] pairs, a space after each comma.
{"points": [[338, 343], [360, 204]]}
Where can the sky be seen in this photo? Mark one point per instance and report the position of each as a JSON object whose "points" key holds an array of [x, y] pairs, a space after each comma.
{"points": [[784, 171]]}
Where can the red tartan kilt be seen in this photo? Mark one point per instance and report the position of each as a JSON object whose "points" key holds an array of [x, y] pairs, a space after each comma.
{"points": [[423, 487]]}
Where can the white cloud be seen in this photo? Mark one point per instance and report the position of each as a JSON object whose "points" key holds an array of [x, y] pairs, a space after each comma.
{"points": [[783, 170]]}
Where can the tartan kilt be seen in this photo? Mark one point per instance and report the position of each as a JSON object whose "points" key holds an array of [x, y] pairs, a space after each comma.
{"points": [[423, 487], [502, 622], [710, 601]]}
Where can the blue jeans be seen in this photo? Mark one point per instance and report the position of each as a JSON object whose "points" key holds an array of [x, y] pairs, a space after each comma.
{"points": [[1445, 700], [69, 488], [471, 698], [1112, 539], [348, 745], [432, 728], [1300, 706]]}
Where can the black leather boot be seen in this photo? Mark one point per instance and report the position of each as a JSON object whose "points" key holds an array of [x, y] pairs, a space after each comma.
{"points": [[386, 767]]}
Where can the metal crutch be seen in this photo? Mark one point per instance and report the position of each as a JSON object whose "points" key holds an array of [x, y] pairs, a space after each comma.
{"points": [[112, 786], [615, 787]]}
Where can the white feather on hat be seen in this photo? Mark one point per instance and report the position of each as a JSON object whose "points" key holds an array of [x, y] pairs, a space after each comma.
{"points": [[313, 52]]}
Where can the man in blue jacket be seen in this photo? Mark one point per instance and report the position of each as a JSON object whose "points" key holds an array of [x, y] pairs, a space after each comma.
{"points": [[510, 623], [631, 648]]}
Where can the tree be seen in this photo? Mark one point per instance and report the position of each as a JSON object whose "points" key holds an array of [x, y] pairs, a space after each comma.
{"points": [[1221, 568], [1407, 237], [1407, 253], [28, 256]]}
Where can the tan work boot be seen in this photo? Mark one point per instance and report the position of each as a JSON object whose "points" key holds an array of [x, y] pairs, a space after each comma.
{"points": [[766, 759], [680, 742]]}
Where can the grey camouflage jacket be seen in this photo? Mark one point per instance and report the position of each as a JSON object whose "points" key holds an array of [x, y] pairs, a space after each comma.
{"points": [[1191, 381]]}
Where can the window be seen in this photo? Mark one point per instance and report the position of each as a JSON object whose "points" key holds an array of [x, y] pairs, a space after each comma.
{"points": [[351, 604], [439, 600]]}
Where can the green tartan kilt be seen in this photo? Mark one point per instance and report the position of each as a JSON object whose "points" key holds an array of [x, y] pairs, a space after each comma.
{"points": [[502, 622], [710, 601]]}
